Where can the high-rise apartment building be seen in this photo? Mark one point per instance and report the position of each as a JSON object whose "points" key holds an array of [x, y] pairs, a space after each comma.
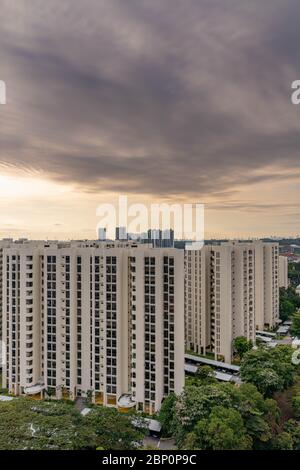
{"points": [[283, 272], [196, 320], [231, 290], [104, 319], [266, 284], [3, 244]]}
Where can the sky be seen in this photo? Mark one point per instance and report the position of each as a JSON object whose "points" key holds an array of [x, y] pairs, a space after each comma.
{"points": [[160, 100]]}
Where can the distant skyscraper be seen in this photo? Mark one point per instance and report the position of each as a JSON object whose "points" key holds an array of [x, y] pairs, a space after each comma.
{"points": [[154, 237], [168, 238], [121, 233], [102, 234], [161, 238]]}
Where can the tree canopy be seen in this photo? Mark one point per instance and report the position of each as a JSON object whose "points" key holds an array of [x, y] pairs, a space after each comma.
{"points": [[223, 429], [27, 424], [241, 345], [58, 425], [295, 328], [207, 406], [217, 416], [289, 302], [114, 430], [294, 273], [270, 370]]}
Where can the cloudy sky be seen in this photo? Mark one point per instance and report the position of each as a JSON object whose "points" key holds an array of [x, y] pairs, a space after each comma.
{"points": [[162, 100]]}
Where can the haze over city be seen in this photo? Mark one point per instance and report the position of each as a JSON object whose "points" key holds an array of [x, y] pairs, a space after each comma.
{"points": [[162, 101]]}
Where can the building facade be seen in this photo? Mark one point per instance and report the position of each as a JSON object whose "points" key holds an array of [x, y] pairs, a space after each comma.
{"points": [[98, 319], [283, 272], [195, 301], [3, 244], [266, 285], [231, 290]]}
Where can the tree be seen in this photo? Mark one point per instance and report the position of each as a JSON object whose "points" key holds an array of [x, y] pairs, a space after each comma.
{"points": [[260, 415], [270, 370], [50, 392], [58, 425], [295, 328], [89, 397], [296, 406], [267, 381], [191, 442], [286, 309], [241, 345], [294, 274], [115, 431], [289, 302], [167, 414], [45, 425], [205, 374], [283, 441], [292, 427], [196, 403], [222, 430]]}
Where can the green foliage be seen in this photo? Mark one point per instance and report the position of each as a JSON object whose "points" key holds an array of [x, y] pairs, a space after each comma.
{"points": [[26, 424], [203, 376], [295, 328], [58, 425], [241, 345], [200, 404], [89, 397], [270, 370], [223, 416], [296, 406], [292, 427], [294, 273], [167, 415], [114, 430], [50, 392], [289, 302], [286, 309], [283, 441], [196, 403], [223, 430]]}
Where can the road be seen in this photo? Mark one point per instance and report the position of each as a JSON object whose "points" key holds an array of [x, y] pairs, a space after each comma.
{"points": [[156, 443]]}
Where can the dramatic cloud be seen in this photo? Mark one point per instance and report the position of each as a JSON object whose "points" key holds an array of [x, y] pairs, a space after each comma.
{"points": [[165, 98]]}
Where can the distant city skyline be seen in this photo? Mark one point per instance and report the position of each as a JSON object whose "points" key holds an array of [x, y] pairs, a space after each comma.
{"points": [[161, 100]]}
